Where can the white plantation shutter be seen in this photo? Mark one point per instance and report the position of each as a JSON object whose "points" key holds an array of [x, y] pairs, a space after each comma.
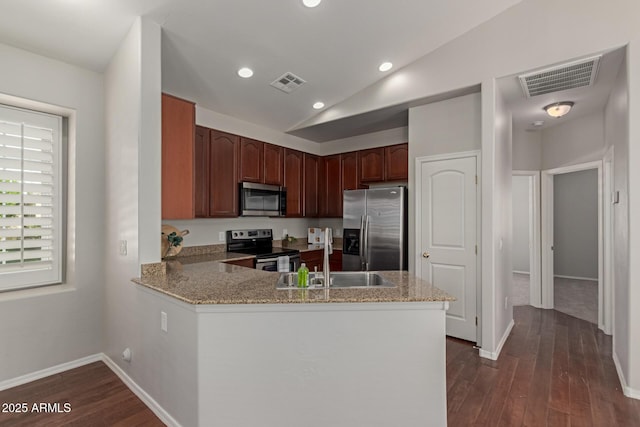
{"points": [[30, 198]]}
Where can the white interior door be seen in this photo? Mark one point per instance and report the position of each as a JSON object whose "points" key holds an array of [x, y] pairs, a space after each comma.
{"points": [[448, 238]]}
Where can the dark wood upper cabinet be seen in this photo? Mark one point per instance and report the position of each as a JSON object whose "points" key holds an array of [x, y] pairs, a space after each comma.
{"points": [[332, 196], [178, 134], [396, 159], [223, 174], [293, 181], [311, 174], [251, 160], [202, 156], [273, 164], [372, 165], [350, 172]]}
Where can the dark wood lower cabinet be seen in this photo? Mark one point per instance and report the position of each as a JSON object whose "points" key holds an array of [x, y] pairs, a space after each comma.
{"points": [[335, 260], [249, 262], [312, 259]]}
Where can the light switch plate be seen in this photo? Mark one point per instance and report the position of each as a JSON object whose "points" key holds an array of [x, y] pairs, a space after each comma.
{"points": [[123, 247], [221, 236]]}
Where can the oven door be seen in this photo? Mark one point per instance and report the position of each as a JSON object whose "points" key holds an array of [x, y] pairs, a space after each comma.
{"points": [[271, 264]]}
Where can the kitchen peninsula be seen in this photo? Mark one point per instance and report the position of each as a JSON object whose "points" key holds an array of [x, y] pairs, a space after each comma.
{"points": [[239, 352]]}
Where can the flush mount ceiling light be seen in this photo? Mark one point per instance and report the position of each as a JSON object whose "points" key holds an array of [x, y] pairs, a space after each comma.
{"points": [[385, 66], [558, 109], [245, 72], [311, 3], [318, 105]]}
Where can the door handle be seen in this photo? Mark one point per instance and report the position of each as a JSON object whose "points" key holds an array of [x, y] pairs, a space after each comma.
{"points": [[426, 254]]}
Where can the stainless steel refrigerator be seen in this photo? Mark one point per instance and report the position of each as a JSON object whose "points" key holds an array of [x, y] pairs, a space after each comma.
{"points": [[375, 229]]}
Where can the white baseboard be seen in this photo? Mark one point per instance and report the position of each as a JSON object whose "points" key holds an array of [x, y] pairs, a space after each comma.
{"points": [[591, 279], [33, 376], [160, 412], [521, 272], [494, 355], [628, 391]]}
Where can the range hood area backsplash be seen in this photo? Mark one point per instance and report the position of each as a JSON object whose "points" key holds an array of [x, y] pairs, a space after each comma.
{"points": [[204, 231]]}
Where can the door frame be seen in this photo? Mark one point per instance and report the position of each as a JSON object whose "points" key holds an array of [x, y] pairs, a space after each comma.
{"points": [[547, 239], [535, 286], [418, 223]]}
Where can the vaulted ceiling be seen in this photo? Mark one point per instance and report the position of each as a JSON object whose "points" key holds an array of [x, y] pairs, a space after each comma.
{"points": [[336, 47]]}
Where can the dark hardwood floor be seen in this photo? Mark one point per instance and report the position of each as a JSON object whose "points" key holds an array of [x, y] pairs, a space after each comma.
{"points": [[97, 397], [554, 370]]}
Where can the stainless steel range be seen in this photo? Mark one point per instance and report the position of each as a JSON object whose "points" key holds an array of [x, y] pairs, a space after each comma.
{"points": [[259, 242]]}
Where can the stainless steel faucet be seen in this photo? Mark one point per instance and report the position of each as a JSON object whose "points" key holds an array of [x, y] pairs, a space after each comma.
{"points": [[328, 250]]}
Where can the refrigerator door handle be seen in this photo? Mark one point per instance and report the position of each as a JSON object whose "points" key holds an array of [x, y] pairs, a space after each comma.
{"points": [[366, 242], [361, 245]]}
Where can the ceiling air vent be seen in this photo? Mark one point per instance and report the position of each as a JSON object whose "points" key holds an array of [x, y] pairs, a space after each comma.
{"points": [[288, 82], [567, 76]]}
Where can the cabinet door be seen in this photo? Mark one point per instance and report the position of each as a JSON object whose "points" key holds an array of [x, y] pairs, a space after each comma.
{"points": [[293, 181], [310, 185], [396, 159], [333, 178], [223, 174], [372, 165], [350, 172], [251, 160], [178, 134], [313, 259], [335, 260], [273, 167], [202, 157]]}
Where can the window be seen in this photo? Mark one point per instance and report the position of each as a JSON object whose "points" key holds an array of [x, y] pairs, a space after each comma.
{"points": [[30, 198]]}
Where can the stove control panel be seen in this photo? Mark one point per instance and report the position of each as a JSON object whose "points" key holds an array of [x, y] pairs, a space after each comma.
{"points": [[249, 234]]}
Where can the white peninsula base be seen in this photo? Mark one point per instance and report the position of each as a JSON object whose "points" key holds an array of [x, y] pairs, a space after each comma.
{"points": [[287, 365]]}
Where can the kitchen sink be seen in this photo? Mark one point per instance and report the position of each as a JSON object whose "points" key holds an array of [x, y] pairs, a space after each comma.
{"points": [[337, 280]]}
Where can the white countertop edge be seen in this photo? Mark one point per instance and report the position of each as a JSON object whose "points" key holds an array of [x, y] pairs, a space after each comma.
{"points": [[307, 307]]}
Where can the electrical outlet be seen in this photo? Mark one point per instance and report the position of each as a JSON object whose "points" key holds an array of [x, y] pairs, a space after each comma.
{"points": [[285, 232], [123, 247], [221, 236], [506, 302], [163, 321]]}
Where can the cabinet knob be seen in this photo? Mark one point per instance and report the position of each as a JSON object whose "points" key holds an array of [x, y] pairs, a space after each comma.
{"points": [[426, 254]]}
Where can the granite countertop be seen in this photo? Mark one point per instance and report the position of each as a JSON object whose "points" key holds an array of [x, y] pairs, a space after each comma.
{"points": [[206, 279]]}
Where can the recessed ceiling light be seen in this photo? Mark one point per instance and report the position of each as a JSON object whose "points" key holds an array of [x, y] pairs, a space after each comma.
{"points": [[311, 3], [245, 72], [318, 105], [385, 66], [558, 109]]}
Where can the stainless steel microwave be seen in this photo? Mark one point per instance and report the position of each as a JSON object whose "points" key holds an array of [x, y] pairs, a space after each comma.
{"points": [[262, 200]]}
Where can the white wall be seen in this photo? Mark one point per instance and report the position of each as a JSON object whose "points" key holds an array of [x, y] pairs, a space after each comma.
{"points": [[497, 311], [527, 150], [616, 128], [579, 140], [41, 328], [214, 120], [369, 140], [575, 224], [521, 218], [448, 126], [132, 154]]}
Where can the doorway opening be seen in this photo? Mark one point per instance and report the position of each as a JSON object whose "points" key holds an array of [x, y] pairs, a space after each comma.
{"points": [[573, 242]]}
